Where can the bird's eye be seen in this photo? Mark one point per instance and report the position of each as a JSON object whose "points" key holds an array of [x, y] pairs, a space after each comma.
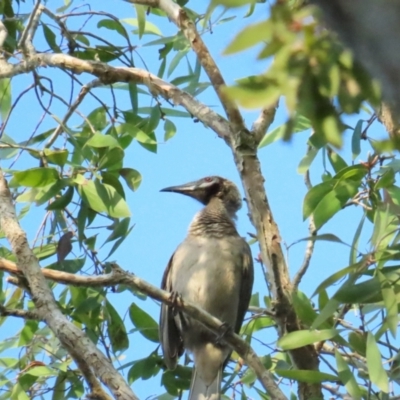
{"points": [[208, 179]]}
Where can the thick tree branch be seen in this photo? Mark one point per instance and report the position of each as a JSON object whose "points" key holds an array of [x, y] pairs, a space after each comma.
{"points": [[81, 348], [119, 276], [108, 74]]}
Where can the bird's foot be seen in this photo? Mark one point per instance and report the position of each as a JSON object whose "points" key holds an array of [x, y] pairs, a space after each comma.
{"points": [[223, 330], [175, 298]]}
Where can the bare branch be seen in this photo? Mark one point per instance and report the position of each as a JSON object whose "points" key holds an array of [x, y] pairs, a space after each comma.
{"points": [[263, 122], [310, 244], [8, 312], [25, 41], [81, 348], [119, 276], [60, 128]]}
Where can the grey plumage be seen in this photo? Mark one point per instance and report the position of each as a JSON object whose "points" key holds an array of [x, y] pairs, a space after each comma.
{"points": [[212, 268]]}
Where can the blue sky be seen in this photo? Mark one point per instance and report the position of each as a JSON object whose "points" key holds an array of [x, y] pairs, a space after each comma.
{"points": [[161, 219]]}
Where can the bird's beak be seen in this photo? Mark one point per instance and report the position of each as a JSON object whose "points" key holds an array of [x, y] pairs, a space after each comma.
{"points": [[187, 188]]}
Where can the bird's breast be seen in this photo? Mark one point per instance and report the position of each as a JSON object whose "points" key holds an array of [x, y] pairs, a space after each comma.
{"points": [[208, 273]]}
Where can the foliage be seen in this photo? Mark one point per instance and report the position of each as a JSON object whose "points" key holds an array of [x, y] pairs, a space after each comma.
{"points": [[77, 176]]}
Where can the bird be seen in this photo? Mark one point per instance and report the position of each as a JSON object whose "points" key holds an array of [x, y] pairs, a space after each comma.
{"points": [[212, 268]]}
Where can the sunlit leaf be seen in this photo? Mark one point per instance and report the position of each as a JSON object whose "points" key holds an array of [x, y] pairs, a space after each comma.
{"points": [[307, 376], [377, 373], [116, 329], [144, 323], [347, 377], [36, 177], [294, 340]]}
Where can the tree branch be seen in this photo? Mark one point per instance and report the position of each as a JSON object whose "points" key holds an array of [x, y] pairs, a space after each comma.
{"points": [[119, 276], [188, 28], [263, 122], [387, 116], [310, 244], [108, 75], [81, 348]]}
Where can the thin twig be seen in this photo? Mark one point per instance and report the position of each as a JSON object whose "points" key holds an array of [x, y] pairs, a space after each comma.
{"points": [[310, 243]]}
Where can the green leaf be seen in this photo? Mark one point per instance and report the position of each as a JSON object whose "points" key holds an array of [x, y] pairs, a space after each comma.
{"points": [[377, 373], [338, 275], [386, 180], [154, 120], [43, 252], [328, 237], [133, 95], [354, 244], [97, 119], [36, 177], [18, 393], [112, 178], [146, 368], [354, 173], [390, 302], [306, 376], [103, 198], [169, 129], [232, 3], [112, 159], [333, 201], [301, 124], [5, 98], [27, 332], [303, 307], [250, 36], [50, 37], [144, 323], [336, 161], [132, 177], [119, 229], [358, 342], [141, 18], [176, 60], [148, 29], [113, 25], [294, 340], [5, 139], [306, 161], [347, 377], [356, 139], [327, 312], [314, 196], [41, 371], [61, 202], [116, 329], [58, 157], [100, 140]]}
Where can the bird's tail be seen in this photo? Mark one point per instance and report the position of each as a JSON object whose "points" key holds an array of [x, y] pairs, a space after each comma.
{"points": [[200, 391]]}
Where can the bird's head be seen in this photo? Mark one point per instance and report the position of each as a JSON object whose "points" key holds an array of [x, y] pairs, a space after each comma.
{"points": [[211, 187]]}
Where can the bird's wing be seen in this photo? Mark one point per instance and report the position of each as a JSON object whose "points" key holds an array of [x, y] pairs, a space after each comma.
{"points": [[246, 284], [170, 337]]}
